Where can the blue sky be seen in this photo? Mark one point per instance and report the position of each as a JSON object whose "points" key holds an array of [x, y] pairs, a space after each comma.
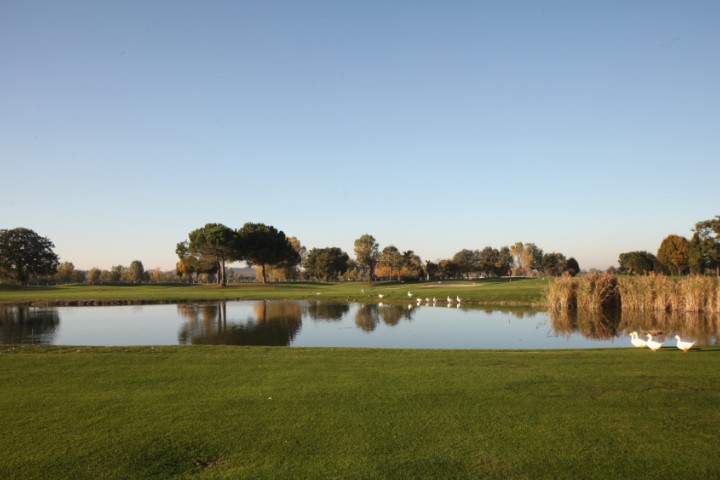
{"points": [[588, 128]]}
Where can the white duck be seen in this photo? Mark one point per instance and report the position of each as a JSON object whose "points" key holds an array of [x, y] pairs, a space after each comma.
{"points": [[636, 341], [684, 346], [652, 344], [449, 300]]}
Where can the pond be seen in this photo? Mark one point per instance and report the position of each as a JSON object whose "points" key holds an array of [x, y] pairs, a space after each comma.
{"points": [[321, 324]]}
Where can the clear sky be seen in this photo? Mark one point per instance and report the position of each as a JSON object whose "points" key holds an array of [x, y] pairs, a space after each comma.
{"points": [[587, 128]]}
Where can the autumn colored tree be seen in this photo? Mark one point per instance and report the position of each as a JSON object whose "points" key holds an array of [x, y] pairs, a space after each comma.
{"points": [[526, 258], [93, 275], [64, 272], [674, 254]]}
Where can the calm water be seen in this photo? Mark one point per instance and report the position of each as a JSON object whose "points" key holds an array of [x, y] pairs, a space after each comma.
{"points": [[316, 324]]}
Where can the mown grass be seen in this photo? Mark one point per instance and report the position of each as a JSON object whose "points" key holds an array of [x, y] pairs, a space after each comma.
{"points": [[528, 292], [256, 412]]}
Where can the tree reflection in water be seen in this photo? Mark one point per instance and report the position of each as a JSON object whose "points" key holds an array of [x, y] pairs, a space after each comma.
{"points": [[328, 312], [609, 324], [28, 325], [273, 323], [367, 317]]}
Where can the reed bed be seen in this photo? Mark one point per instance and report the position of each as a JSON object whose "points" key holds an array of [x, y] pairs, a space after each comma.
{"points": [[660, 293], [639, 294], [594, 292]]}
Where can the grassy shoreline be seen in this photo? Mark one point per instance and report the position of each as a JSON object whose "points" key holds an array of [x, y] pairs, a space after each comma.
{"points": [[518, 292], [256, 412]]}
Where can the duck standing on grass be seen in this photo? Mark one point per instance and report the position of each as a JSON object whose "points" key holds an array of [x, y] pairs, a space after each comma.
{"points": [[652, 344], [636, 341], [684, 346]]}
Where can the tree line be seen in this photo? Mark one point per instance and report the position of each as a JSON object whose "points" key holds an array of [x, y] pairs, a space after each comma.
{"points": [[25, 255], [277, 257], [209, 249], [677, 255]]}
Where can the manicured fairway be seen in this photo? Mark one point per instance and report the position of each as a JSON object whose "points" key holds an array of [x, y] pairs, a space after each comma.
{"points": [[256, 412], [530, 292]]}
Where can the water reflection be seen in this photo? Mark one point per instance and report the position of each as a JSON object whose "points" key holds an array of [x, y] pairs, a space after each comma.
{"points": [[272, 323], [344, 324], [28, 325], [327, 312], [605, 325]]}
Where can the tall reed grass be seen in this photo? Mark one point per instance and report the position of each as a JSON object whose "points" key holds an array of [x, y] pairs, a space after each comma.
{"points": [[661, 293], [593, 292], [640, 294]]}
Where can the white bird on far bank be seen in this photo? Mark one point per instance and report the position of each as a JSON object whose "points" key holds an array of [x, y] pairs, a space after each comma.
{"points": [[410, 294], [684, 346]]}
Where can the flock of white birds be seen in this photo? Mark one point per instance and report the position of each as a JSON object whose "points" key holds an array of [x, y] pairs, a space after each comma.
{"points": [[655, 345]]}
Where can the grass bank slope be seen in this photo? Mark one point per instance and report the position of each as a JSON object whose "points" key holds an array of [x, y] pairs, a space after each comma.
{"points": [[255, 412], [520, 292]]}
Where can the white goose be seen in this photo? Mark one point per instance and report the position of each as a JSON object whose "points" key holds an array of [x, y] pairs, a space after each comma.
{"points": [[652, 344], [449, 300], [636, 341], [409, 294], [684, 346]]}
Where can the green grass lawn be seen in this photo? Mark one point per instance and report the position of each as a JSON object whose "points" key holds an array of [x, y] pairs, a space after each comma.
{"points": [[527, 292], [256, 412]]}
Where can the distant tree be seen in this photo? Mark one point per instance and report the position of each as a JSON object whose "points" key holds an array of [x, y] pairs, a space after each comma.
{"points": [[504, 264], [674, 254], [24, 254], [367, 254], [264, 246], [448, 269], [706, 246], [637, 262], [487, 259], [412, 264], [326, 263], [431, 269], [93, 275], [526, 258], [116, 273], [214, 244], [292, 271], [136, 272], [572, 267], [467, 261], [392, 259], [64, 272], [156, 275], [554, 264]]}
